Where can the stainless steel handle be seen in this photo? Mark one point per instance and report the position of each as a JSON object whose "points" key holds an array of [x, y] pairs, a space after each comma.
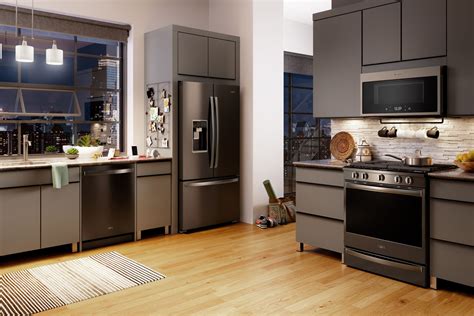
{"points": [[212, 135], [393, 264], [216, 159], [417, 193], [394, 157], [107, 172], [209, 183]]}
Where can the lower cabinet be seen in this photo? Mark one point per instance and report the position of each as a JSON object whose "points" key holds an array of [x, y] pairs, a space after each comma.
{"points": [[319, 231], [60, 215], [19, 219]]}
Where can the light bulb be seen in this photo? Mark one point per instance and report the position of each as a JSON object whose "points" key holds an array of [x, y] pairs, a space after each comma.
{"points": [[54, 56], [24, 53]]}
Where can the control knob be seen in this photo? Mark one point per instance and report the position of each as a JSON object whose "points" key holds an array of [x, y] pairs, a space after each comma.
{"points": [[381, 177], [397, 179], [408, 180], [355, 175], [365, 176]]}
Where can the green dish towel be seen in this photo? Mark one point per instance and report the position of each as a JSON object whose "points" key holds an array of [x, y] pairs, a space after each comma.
{"points": [[59, 174]]}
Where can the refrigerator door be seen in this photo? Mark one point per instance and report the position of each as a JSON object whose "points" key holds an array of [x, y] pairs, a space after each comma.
{"points": [[195, 141], [227, 113], [206, 203]]}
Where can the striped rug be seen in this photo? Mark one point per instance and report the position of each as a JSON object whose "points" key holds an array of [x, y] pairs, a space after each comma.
{"points": [[39, 289]]}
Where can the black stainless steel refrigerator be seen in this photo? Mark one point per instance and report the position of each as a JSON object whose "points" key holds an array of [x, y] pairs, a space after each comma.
{"points": [[209, 154]]}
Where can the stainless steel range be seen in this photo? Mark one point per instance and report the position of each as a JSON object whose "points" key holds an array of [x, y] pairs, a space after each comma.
{"points": [[386, 220]]}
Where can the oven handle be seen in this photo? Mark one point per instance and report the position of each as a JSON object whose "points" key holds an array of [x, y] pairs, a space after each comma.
{"points": [[384, 189], [384, 262]]}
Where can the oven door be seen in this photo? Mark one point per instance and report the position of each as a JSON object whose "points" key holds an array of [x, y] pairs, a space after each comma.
{"points": [[387, 221], [410, 92]]}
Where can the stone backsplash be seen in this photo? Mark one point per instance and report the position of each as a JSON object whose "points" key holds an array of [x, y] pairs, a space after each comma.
{"points": [[456, 135]]}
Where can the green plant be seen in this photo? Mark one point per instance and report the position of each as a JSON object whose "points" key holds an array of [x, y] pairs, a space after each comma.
{"points": [[51, 149], [72, 151], [86, 141]]}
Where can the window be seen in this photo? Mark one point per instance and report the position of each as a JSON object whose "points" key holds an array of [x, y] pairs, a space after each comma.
{"points": [[305, 137], [55, 105]]}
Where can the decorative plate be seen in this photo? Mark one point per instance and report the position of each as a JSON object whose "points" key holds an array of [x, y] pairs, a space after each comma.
{"points": [[342, 146]]}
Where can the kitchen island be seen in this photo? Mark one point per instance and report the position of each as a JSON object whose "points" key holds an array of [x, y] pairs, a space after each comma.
{"points": [[34, 215]]}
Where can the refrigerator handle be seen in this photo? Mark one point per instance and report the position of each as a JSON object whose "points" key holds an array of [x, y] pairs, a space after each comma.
{"points": [[212, 134], [216, 159]]}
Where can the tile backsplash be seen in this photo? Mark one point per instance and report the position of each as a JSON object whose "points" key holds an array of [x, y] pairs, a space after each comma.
{"points": [[456, 135]]}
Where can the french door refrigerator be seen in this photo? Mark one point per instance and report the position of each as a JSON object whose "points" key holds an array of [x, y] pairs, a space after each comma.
{"points": [[209, 154]]}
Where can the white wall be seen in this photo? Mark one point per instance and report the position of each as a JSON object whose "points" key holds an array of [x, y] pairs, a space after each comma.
{"points": [[259, 23], [143, 16], [297, 37]]}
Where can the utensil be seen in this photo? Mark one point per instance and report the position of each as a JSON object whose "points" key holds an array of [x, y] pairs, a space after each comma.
{"points": [[417, 160], [342, 146]]}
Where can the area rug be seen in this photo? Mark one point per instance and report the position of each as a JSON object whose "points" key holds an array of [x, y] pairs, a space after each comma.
{"points": [[39, 289]]}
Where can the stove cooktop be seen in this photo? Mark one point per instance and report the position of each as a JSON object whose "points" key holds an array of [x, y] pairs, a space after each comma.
{"points": [[386, 165]]}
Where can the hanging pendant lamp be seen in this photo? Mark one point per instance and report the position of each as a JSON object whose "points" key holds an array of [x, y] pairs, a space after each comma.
{"points": [[54, 56], [25, 53]]}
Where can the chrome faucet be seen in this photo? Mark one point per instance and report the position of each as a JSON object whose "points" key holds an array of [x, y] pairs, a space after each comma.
{"points": [[26, 144]]}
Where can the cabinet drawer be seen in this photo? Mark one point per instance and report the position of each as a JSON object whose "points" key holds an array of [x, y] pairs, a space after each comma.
{"points": [[452, 190], [452, 262], [153, 168], [320, 176], [320, 232], [320, 200], [22, 178], [452, 221]]}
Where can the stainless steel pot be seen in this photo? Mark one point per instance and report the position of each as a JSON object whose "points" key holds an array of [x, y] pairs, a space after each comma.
{"points": [[417, 160]]}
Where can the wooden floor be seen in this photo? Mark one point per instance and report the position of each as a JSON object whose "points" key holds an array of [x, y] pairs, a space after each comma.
{"points": [[242, 269]]}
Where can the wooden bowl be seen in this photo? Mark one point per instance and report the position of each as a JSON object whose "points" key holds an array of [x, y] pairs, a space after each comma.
{"points": [[71, 156], [466, 166]]}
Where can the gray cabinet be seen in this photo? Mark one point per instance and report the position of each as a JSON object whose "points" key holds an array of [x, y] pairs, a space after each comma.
{"points": [[460, 57], [192, 54], [381, 34], [320, 204], [337, 66], [19, 219], [153, 196], [222, 58], [451, 230], [423, 28], [60, 216]]}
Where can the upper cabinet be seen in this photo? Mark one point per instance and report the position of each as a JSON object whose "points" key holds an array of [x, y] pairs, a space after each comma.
{"points": [[204, 56], [460, 76], [381, 34], [337, 66], [192, 55], [423, 29]]}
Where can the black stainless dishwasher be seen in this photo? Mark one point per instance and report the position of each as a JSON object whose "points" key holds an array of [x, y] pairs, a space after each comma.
{"points": [[108, 204]]}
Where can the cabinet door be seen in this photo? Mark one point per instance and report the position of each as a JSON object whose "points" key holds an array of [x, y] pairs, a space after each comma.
{"points": [[460, 60], [192, 55], [337, 66], [60, 215], [423, 28], [222, 58], [381, 34], [19, 220], [153, 202]]}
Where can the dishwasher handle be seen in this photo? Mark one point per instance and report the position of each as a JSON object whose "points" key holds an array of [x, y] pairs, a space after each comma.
{"points": [[107, 172]]}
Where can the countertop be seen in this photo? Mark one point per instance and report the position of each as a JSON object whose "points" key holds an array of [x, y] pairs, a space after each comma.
{"points": [[455, 174], [45, 162], [321, 164]]}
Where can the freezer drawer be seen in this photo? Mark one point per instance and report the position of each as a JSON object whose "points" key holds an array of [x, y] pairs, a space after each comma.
{"points": [[206, 203]]}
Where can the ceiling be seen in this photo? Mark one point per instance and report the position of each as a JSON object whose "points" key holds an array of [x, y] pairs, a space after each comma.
{"points": [[302, 10]]}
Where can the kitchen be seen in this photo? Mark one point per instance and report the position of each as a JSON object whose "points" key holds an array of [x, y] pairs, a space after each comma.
{"points": [[179, 172]]}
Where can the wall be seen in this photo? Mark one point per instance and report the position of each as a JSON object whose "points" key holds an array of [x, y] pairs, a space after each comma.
{"points": [[143, 16], [259, 23], [297, 37], [456, 135]]}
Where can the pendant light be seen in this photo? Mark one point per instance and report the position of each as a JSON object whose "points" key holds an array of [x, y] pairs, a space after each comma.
{"points": [[23, 52], [54, 56]]}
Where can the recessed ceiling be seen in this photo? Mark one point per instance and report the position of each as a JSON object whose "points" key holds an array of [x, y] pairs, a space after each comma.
{"points": [[302, 10]]}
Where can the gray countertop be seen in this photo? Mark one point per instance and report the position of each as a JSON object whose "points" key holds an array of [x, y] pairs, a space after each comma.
{"points": [[45, 162], [455, 174], [321, 164]]}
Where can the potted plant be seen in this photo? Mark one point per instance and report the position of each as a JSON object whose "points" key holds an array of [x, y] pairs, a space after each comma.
{"points": [[51, 149], [72, 153], [87, 147]]}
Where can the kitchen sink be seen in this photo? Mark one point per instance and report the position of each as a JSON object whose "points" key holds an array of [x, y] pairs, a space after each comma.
{"points": [[22, 163]]}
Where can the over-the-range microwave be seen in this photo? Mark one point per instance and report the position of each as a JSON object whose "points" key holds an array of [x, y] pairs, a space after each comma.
{"points": [[406, 92]]}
